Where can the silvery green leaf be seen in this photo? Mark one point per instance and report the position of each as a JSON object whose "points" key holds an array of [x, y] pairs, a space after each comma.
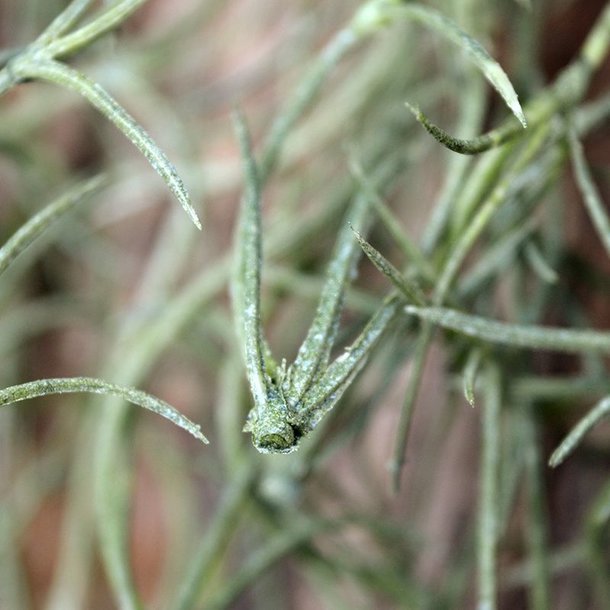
{"points": [[532, 337], [98, 97], [70, 385], [315, 349], [41, 221], [409, 289], [269, 420], [488, 66]]}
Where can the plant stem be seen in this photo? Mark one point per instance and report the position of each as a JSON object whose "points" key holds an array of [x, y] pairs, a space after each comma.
{"points": [[488, 494], [219, 534]]}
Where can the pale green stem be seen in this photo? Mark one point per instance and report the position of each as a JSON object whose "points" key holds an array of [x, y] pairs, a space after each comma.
{"points": [[600, 513], [536, 531], [559, 389], [217, 537], [589, 116], [112, 482], [596, 45], [406, 413], [336, 49], [596, 562], [488, 493], [265, 558], [76, 551], [561, 560], [475, 187], [246, 286]]}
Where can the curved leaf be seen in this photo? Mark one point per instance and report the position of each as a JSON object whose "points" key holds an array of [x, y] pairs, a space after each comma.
{"points": [[71, 385], [489, 67], [569, 443], [60, 74], [41, 221]]}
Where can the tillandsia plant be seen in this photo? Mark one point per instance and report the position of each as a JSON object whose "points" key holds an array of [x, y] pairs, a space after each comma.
{"points": [[289, 401], [474, 281]]}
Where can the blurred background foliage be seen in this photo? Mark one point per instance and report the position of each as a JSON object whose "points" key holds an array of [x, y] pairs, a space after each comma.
{"points": [[105, 507]]}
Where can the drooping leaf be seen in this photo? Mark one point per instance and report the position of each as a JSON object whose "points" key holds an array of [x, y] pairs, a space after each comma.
{"points": [[60, 74], [71, 385], [489, 67]]}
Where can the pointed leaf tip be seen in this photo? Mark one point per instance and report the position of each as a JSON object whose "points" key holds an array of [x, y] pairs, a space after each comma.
{"points": [[489, 67]]}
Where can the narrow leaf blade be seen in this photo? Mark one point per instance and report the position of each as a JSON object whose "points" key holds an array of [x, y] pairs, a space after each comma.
{"points": [[246, 284], [98, 97], [526, 336], [328, 389], [409, 289], [315, 350], [488, 66], [71, 385], [41, 221], [571, 441]]}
